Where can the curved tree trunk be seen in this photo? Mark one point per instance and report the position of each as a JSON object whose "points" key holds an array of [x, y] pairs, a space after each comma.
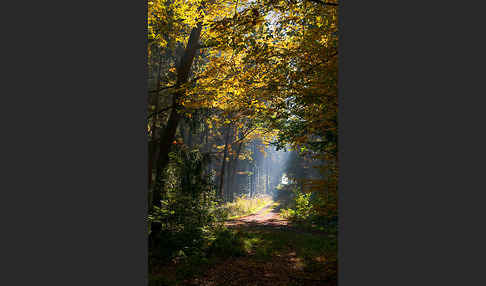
{"points": [[168, 135]]}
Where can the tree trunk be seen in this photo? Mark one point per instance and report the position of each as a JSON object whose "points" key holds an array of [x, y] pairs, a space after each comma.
{"points": [[223, 165], [267, 183], [249, 184], [227, 189], [257, 186], [189, 137], [231, 181], [170, 130], [167, 138], [254, 177], [153, 141]]}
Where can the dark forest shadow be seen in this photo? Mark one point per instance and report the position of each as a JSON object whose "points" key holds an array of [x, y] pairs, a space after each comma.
{"points": [[271, 252]]}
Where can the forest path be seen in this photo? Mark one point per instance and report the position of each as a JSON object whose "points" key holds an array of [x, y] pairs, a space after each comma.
{"points": [[277, 254], [268, 216]]}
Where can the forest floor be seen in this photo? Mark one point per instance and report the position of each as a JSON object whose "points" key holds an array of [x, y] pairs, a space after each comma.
{"points": [[277, 253]]}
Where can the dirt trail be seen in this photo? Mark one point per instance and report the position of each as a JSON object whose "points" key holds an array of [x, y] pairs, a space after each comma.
{"points": [[280, 254], [268, 216], [277, 261]]}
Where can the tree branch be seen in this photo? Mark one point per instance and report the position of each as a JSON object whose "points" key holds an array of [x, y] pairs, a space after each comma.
{"points": [[172, 86], [244, 136], [162, 88], [206, 46], [160, 111]]}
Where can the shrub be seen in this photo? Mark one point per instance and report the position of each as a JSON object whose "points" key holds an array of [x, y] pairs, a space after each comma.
{"points": [[303, 206], [299, 205], [188, 214]]}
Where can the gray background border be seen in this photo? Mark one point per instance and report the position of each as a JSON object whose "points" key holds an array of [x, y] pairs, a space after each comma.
{"points": [[74, 155]]}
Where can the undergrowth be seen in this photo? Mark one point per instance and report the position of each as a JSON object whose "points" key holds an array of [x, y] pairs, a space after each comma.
{"points": [[302, 209], [315, 254]]}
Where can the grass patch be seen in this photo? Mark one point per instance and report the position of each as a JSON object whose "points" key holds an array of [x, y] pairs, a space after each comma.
{"points": [[227, 243], [244, 206]]}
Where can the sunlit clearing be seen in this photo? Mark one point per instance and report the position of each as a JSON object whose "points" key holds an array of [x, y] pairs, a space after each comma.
{"points": [[285, 180]]}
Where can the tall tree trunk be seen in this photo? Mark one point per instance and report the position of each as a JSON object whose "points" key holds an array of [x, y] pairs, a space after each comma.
{"points": [[182, 132], [228, 171], [189, 137], [223, 164], [253, 179], [257, 186], [249, 184], [227, 189], [231, 181], [267, 183], [168, 135], [201, 135], [183, 70], [229, 185], [251, 169], [153, 141], [206, 135], [252, 193]]}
